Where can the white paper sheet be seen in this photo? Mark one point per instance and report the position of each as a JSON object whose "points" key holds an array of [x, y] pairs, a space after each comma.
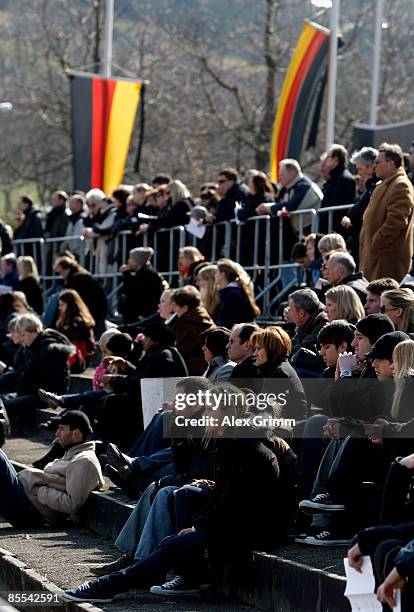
{"points": [[154, 392], [237, 207], [195, 228], [360, 587]]}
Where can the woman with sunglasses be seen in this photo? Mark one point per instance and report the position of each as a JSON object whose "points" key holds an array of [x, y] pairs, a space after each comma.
{"points": [[398, 305]]}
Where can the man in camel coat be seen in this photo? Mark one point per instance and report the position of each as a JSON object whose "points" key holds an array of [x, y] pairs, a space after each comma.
{"points": [[386, 242]]}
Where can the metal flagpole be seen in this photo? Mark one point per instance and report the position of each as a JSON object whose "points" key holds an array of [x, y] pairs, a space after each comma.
{"points": [[333, 58], [109, 32], [376, 63]]}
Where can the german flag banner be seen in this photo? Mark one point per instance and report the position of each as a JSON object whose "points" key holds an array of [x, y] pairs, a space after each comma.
{"points": [[103, 116], [298, 94]]}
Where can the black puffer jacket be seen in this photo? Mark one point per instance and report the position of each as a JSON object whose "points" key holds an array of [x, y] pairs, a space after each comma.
{"points": [[45, 364]]}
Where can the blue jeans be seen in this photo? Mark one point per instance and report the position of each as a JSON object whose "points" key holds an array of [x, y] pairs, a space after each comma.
{"points": [[148, 524], [71, 400], [183, 553], [152, 453], [313, 448], [188, 502], [152, 439], [15, 506]]}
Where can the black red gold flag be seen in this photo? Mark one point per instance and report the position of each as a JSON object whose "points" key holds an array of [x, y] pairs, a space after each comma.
{"points": [[103, 116], [298, 92]]}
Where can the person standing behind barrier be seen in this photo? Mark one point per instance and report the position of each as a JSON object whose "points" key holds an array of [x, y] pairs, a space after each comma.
{"points": [[101, 228], [237, 303], [231, 191], [364, 161], [386, 241], [119, 197], [29, 282], [339, 188], [296, 192], [174, 201], [31, 226], [75, 226], [260, 191], [57, 219]]}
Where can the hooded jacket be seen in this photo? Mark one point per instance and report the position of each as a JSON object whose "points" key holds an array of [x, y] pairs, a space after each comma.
{"points": [[64, 484]]}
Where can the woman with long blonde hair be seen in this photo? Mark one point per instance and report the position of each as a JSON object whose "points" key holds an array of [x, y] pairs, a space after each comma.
{"points": [[236, 295], [342, 302], [398, 304], [29, 282], [403, 366], [206, 282]]}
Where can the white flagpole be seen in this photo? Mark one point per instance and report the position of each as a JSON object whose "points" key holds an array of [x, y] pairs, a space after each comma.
{"points": [[376, 63], [109, 32], [333, 58]]}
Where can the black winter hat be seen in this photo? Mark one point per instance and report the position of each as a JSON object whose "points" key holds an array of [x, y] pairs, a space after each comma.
{"points": [[374, 326], [384, 346]]}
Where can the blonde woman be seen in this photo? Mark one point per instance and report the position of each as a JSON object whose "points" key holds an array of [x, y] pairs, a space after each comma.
{"points": [[177, 191], [206, 282], [403, 368], [236, 296], [342, 302], [398, 304], [29, 282]]}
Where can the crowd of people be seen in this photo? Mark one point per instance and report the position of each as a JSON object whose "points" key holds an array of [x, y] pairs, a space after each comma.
{"points": [[329, 465]]}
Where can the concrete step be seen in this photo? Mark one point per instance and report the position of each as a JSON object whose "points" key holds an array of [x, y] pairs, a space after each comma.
{"points": [[296, 578], [62, 557]]}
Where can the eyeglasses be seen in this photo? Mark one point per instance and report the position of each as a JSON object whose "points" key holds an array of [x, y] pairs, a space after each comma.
{"points": [[384, 310]]}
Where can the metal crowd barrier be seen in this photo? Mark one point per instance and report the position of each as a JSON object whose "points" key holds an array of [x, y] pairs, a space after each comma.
{"points": [[251, 243]]}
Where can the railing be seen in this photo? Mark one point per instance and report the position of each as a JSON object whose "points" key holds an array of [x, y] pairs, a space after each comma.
{"points": [[251, 243]]}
